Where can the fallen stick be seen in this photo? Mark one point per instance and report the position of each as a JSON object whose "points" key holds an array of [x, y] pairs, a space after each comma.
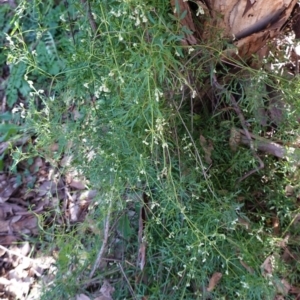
{"points": [[267, 146], [105, 240], [245, 129]]}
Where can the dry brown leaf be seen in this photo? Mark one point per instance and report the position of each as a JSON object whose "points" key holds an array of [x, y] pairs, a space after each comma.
{"points": [[244, 222], [214, 280], [74, 211], [20, 288], [37, 164], [7, 187], [54, 147], [287, 256], [4, 281], [76, 114], [46, 187], [142, 256], [267, 266], [88, 195], [26, 225], [289, 190], [4, 226], [66, 160], [25, 249], [44, 262], [282, 287], [103, 298], [106, 291], [82, 297], [249, 269], [295, 290], [3, 147], [8, 239], [78, 185]]}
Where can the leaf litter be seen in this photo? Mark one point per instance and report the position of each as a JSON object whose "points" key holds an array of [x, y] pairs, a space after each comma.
{"points": [[23, 200], [36, 189]]}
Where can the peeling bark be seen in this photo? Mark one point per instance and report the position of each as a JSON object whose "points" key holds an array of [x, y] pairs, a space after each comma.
{"points": [[247, 23]]}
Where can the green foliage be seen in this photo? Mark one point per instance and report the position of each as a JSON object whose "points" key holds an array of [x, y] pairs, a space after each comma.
{"points": [[120, 95]]}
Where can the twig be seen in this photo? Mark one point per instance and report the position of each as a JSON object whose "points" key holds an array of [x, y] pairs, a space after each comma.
{"points": [[90, 15], [17, 254], [105, 239], [13, 143], [129, 285], [196, 153], [70, 21], [297, 62], [244, 125], [3, 104]]}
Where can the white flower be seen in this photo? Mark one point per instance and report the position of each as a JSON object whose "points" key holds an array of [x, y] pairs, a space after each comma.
{"points": [[200, 11], [104, 88], [191, 49], [62, 18], [138, 21], [245, 285], [30, 82]]}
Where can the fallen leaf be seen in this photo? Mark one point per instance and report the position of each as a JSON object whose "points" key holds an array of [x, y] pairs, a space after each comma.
{"points": [[8, 239], [76, 114], [7, 188], [282, 287], [295, 290], [288, 257], [26, 225], [142, 256], [78, 185], [103, 298], [88, 195], [267, 266], [249, 269], [66, 161], [289, 190], [214, 280], [74, 210], [244, 222], [106, 291], [82, 297], [4, 281], [4, 226], [283, 243], [46, 187], [37, 164]]}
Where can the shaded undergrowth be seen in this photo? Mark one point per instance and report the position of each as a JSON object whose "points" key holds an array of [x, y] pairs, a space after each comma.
{"points": [[138, 116]]}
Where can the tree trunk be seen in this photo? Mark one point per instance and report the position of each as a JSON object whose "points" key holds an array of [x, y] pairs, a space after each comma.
{"points": [[249, 24]]}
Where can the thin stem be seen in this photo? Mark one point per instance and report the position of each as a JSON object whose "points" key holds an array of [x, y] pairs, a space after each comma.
{"points": [[244, 125], [105, 239]]}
